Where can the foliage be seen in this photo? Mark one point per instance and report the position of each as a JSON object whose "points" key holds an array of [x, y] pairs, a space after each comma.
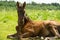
{"points": [[11, 4]]}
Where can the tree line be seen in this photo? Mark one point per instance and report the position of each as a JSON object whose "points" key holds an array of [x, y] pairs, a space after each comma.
{"points": [[33, 5]]}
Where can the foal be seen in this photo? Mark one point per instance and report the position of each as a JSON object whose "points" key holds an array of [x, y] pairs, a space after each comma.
{"points": [[34, 28], [29, 28]]}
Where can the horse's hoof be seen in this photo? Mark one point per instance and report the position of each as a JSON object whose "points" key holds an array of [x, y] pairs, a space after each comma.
{"points": [[57, 37], [11, 36]]}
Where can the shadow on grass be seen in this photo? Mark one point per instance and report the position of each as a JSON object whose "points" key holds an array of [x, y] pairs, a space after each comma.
{"points": [[25, 39], [32, 38]]}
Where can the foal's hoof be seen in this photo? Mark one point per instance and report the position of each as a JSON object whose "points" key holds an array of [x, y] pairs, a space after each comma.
{"points": [[57, 37], [11, 36]]}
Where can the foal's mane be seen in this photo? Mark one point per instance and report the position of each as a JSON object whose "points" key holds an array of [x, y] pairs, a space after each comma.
{"points": [[26, 19]]}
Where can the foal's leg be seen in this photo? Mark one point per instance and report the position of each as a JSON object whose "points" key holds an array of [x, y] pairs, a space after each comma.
{"points": [[55, 31], [13, 35], [49, 38], [25, 35]]}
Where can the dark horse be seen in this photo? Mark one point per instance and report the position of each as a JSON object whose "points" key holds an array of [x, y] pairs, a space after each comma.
{"points": [[28, 28]]}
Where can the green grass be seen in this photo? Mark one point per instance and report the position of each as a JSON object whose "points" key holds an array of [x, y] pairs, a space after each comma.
{"points": [[8, 19], [44, 14]]}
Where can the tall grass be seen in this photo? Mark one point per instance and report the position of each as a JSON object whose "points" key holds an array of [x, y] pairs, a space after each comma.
{"points": [[44, 14], [8, 21]]}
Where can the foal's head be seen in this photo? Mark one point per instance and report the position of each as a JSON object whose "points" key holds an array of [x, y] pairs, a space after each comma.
{"points": [[21, 12], [20, 8]]}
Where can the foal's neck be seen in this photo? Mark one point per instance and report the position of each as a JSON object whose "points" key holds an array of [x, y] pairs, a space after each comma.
{"points": [[26, 19]]}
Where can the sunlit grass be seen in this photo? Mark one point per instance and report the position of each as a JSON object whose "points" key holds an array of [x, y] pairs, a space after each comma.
{"points": [[44, 14], [8, 19]]}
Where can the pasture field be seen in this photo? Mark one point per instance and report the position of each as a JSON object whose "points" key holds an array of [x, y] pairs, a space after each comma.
{"points": [[8, 19]]}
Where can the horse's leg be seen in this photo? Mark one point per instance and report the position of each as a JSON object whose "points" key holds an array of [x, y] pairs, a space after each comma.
{"points": [[49, 38], [25, 35], [52, 28], [17, 36], [55, 31], [13, 35], [58, 28]]}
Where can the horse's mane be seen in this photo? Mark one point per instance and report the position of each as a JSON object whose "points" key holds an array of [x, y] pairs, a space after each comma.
{"points": [[26, 19]]}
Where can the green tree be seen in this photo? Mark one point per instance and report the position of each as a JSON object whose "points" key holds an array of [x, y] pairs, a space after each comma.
{"points": [[34, 3]]}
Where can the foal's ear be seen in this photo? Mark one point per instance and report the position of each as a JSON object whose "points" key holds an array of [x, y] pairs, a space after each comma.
{"points": [[24, 4], [17, 4]]}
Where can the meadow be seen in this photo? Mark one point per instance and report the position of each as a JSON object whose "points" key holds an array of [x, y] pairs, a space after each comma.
{"points": [[8, 18]]}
